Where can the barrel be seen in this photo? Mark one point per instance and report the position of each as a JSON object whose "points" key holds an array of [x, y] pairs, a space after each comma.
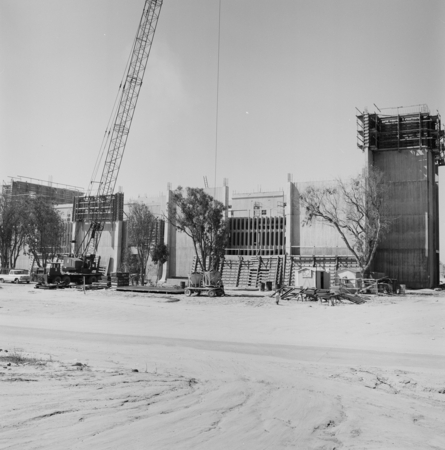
{"points": [[182, 284], [269, 285]]}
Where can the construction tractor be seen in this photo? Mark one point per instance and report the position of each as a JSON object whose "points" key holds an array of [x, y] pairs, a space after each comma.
{"points": [[70, 270]]}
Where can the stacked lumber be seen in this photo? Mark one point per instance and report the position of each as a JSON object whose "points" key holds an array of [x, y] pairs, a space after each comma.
{"points": [[229, 271], [120, 279], [266, 270], [354, 298], [244, 277], [103, 283]]}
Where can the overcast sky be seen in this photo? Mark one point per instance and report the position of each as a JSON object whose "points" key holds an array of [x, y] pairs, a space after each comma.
{"points": [[291, 73]]}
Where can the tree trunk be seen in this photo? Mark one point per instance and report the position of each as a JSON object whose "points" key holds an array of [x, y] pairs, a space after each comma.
{"points": [[159, 272]]}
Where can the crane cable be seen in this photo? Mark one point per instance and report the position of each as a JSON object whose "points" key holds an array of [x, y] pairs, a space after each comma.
{"points": [[107, 134], [217, 97]]}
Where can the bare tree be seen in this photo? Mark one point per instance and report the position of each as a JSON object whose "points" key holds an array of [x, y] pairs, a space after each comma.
{"points": [[142, 227], [201, 217], [355, 209], [13, 227]]}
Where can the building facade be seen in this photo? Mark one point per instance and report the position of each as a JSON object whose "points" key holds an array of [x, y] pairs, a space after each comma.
{"points": [[408, 149]]}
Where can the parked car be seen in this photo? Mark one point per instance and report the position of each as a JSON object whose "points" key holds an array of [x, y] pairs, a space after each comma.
{"points": [[16, 276]]}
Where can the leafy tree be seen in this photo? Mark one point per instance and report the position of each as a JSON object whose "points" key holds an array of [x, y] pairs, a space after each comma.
{"points": [[142, 226], [159, 253], [355, 209], [129, 262], [13, 222], [201, 217], [159, 256], [44, 230]]}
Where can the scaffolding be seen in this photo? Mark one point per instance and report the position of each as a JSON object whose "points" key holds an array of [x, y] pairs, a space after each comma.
{"points": [[419, 130], [33, 187]]}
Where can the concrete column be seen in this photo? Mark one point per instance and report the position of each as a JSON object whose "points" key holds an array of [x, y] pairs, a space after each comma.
{"points": [[73, 238], [246, 233], [168, 230], [117, 245], [271, 231], [292, 214]]}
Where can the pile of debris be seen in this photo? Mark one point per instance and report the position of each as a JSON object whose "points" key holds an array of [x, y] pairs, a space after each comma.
{"points": [[331, 296]]}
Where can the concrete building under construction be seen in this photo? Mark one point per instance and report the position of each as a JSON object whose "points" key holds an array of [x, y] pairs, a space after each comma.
{"points": [[408, 149], [57, 193], [268, 236]]}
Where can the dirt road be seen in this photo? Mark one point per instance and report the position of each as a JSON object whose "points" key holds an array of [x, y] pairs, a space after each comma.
{"points": [[236, 372]]}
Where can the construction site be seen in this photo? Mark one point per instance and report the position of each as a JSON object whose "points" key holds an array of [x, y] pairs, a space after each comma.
{"points": [[151, 309], [267, 236], [268, 241]]}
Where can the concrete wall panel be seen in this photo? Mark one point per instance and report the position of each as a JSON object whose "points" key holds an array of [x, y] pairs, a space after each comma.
{"points": [[404, 166], [408, 266], [407, 198], [407, 232], [409, 251], [318, 238]]}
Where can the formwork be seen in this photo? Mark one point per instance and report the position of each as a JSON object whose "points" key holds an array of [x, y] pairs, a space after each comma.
{"points": [[257, 236], [103, 208], [251, 271], [408, 149]]}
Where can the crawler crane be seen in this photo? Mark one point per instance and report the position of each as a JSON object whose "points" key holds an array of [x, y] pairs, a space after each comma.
{"points": [[100, 203]]}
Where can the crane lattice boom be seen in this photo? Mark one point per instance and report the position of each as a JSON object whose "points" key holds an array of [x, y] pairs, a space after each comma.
{"points": [[99, 203], [129, 96]]}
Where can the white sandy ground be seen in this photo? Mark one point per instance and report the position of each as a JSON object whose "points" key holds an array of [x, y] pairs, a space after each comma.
{"points": [[236, 372]]}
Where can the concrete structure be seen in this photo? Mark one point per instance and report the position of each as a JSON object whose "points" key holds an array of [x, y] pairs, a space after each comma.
{"points": [[258, 204], [272, 223], [257, 236], [32, 187], [157, 204], [110, 211], [263, 224], [257, 224], [318, 238], [66, 212], [111, 242], [55, 193], [407, 148]]}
